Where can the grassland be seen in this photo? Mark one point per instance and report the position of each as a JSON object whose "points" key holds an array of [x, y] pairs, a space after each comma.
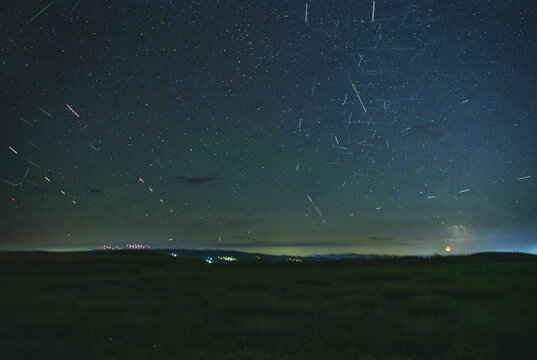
{"points": [[144, 305]]}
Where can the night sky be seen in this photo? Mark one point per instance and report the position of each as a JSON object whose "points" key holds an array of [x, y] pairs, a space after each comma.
{"points": [[294, 127]]}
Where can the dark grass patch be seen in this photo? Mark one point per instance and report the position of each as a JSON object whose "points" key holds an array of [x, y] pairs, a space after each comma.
{"points": [[142, 305]]}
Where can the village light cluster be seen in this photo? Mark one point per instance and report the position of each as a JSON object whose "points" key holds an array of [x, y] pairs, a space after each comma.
{"points": [[126, 247]]}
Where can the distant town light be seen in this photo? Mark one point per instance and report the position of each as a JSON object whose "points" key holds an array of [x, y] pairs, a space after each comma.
{"points": [[227, 258]]}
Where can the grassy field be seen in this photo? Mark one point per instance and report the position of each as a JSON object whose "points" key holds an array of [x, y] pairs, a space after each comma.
{"points": [[144, 305]]}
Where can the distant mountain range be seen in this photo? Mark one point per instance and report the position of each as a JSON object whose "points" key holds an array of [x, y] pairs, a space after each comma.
{"points": [[218, 256]]}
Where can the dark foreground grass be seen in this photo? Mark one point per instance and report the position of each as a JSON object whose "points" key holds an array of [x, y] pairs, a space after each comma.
{"points": [[143, 305]]}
